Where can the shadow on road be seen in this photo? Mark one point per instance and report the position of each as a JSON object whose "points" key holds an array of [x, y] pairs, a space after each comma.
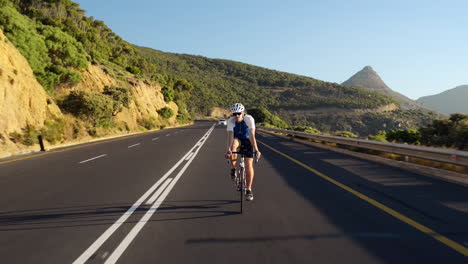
{"points": [[106, 214], [440, 206]]}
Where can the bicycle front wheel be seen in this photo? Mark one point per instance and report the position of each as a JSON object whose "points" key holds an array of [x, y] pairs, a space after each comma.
{"points": [[242, 187]]}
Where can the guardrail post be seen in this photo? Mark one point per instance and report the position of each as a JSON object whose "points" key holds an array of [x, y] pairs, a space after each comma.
{"points": [[41, 142]]}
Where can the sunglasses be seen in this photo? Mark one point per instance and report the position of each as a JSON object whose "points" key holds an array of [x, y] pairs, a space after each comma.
{"points": [[236, 114]]}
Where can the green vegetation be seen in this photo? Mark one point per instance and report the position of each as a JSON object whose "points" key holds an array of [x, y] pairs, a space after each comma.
{"points": [[221, 82], [53, 131], [410, 136], [55, 56], [380, 136], [148, 123], [166, 112], [307, 129], [93, 107], [452, 132], [168, 93], [263, 117], [133, 69], [28, 136], [120, 96], [346, 134]]}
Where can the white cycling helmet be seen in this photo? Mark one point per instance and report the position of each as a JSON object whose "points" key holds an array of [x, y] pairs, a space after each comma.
{"points": [[237, 108]]}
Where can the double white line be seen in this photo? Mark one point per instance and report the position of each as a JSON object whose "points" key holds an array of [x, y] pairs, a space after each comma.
{"points": [[156, 200]]}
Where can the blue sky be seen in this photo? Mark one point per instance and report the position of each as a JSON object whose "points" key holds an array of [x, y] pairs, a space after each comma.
{"points": [[418, 47]]}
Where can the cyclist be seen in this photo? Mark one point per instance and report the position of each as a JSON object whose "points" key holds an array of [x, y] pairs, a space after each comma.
{"points": [[241, 137]]}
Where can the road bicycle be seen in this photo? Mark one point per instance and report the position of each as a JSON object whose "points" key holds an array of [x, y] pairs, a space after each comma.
{"points": [[240, 179]]}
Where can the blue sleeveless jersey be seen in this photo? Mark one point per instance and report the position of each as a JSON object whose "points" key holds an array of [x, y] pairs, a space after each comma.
{"points": [[241, 130]]}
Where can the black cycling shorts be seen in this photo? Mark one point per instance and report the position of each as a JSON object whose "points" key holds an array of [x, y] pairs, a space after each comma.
{"points": [[245, 147]]}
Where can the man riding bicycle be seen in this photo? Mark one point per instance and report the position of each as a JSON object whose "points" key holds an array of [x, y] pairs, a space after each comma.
{"points": [[241, 138]]}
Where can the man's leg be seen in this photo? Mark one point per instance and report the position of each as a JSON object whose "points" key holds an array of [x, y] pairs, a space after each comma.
{"points": [[234, 147], [250, 172], [250, 176]]}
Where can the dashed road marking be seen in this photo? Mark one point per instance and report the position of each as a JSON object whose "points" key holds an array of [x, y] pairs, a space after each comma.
{"points": [[93, 158], [155, 139], [134, 145]]}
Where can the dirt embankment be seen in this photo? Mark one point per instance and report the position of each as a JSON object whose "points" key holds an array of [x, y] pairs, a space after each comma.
{"points": [[23, 101]]}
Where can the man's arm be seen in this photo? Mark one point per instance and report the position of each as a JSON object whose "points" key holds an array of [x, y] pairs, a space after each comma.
{"points": [[253, 141], [230, 137]]}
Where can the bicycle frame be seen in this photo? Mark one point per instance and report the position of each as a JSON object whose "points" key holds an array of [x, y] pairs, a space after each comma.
{"points": [[241, 178]]}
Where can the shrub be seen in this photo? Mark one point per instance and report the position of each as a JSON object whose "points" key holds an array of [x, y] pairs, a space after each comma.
{"points": [[120, 96], [307, 129], [148, 123], [181, 118], [410, 136], [133, 69], [71, 77], [380, 136], [15, 137], [166, 112], [262, 115], [53, 131], [168, 93], [94, 107], [346, 134], [29, 137]]}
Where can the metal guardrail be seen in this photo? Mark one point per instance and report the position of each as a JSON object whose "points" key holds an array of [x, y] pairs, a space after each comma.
{"points": [[442, 155]]}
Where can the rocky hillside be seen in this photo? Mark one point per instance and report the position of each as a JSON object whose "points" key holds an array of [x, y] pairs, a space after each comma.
{"points": [[448, 102], [369, 79], [26, 110]]}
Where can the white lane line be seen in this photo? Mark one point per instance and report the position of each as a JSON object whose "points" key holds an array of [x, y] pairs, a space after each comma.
{"points": [[159, 191], [168, 135], [98, 243], [137, 228], [155, 139], [189, 156], [134, 145], [103, 155]]}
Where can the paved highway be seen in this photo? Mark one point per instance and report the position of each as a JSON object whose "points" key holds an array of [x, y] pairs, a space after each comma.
{"points": [[165, 197]]}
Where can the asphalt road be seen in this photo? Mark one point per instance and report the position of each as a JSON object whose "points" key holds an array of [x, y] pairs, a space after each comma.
{"points": [[165, 197]]}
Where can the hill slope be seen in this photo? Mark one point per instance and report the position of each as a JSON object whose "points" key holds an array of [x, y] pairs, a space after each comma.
{"points": [[450, 101], [223, 82], [297, 99], [59, 85], [369, 79]]}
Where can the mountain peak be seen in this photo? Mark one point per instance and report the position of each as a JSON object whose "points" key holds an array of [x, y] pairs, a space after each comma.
{"points": [[368, 68], [369, 79]]}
